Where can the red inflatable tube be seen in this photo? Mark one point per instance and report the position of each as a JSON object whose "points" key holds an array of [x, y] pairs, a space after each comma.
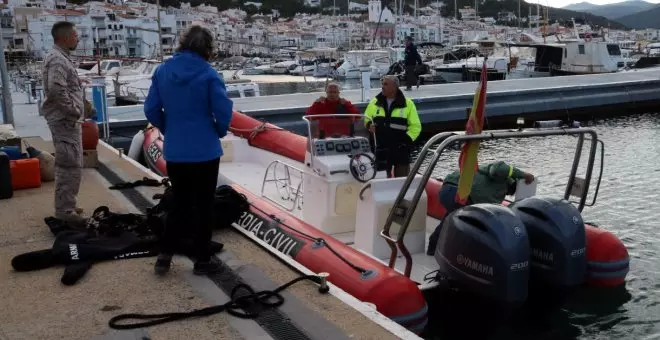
{"points": [[269, 137], [152, 149], [394, 295], [608, 261]]}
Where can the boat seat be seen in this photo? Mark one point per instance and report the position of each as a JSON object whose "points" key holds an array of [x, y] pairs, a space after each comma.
{"points": [[373, 207]]}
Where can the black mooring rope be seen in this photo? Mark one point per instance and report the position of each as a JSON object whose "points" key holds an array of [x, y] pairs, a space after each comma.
{"points": [[264, 298]]}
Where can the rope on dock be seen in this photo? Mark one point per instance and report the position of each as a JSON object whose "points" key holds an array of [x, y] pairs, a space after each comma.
{"points": [[264, 298]]}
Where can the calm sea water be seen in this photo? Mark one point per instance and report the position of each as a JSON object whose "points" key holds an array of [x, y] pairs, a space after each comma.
{"points": [[628, 204]]}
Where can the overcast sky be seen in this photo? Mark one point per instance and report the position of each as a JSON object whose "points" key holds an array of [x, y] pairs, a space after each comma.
{"points": [[562, 3]]}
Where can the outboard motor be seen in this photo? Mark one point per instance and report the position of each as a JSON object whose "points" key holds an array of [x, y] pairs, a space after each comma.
{"points": [[557, 241], [484, 249]]}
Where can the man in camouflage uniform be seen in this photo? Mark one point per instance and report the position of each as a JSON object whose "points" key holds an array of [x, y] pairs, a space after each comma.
{"points": [[63, 109]]}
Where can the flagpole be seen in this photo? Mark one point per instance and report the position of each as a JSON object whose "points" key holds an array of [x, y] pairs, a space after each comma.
{"points": [[468, 159]]}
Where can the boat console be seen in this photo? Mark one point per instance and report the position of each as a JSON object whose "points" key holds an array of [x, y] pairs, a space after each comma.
{"points": [[338, 168], [343, 195], [341, 146]]}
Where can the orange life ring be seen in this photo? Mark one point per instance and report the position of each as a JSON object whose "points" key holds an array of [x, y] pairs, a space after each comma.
{"points": [[587, 37]]}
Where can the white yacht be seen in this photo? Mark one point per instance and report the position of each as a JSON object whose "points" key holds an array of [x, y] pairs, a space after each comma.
{"points": [[468, 69], [377, 62], [136, 92], [283, 67]]}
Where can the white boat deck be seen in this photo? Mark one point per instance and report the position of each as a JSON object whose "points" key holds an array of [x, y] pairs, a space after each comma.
{"points": [[248, 170]]}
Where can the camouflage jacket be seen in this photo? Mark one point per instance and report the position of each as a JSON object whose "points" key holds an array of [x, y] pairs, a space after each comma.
{"points": [[62, 88]]}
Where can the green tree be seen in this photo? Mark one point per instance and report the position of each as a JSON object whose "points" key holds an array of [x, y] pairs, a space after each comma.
{"points": [[250, 9]]}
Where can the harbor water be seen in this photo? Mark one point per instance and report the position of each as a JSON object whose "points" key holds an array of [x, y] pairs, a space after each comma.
{"points": [[628, 204]]}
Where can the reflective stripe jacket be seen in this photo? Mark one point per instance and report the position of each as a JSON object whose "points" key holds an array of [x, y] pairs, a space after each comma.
{"points": [[395, 122], [490, 182]]}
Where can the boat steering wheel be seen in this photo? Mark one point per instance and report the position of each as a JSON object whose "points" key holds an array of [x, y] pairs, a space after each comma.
{"points": [[363, 167]]}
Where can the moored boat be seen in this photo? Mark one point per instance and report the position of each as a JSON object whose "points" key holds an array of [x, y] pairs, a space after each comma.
{"points": [[321, 202]]}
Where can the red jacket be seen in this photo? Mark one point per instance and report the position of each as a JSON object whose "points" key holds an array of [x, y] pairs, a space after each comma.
{"points": [[334, 125]]}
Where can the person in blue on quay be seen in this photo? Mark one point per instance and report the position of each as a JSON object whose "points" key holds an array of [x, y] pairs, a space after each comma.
{"points": [[491, 183], [188, 103]]}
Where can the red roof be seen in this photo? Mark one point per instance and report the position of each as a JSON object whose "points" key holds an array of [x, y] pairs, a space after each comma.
{"points": [[127, 16], [64, 12]]}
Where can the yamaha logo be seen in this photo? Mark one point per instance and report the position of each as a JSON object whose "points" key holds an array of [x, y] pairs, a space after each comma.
{"points": [[576, 220], [474, 265], [517, 231]]}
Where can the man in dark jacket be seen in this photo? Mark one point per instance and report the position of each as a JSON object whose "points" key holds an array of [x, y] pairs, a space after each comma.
{"points": [[394, 120], [333, 103], [412, 59]]}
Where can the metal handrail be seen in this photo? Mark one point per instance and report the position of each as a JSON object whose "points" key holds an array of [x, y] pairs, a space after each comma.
{"points": [[449, 138], [286, 183], [309, 130], [600, 175]]}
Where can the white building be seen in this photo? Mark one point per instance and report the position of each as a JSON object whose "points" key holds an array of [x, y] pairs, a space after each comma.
{"points": [[41, 40], [45, 4], [468, 14], [377, 13], [313, 3], [141, 37], [354, 6]]}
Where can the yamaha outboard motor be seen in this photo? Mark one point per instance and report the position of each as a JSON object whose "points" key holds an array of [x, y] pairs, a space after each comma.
{"points": [[484, 248], [557, 241]]}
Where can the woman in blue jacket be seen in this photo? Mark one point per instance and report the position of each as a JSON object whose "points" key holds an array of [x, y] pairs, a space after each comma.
{"points": [[188, 103]]}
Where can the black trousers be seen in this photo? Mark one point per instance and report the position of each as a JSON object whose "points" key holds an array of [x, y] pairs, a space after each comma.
{"points": [[193, 186], [399, 170], [411, 76]]}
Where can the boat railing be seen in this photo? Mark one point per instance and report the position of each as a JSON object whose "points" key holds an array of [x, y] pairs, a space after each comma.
{"points": [[403, 209], [284, 185]]}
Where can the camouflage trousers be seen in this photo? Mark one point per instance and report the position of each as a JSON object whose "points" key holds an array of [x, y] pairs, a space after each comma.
{"points": [[67, 139]]}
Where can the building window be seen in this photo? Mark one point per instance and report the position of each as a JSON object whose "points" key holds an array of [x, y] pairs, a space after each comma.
{"points": [[581, 49]]}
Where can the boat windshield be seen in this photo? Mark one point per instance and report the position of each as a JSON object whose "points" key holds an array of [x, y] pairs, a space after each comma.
{"points": [[324, 126]]}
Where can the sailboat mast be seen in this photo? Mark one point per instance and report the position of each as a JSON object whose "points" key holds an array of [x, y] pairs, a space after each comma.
{"points": [[160, 31]]}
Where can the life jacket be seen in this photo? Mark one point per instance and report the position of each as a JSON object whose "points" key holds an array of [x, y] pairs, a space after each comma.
{"points": [[391, 122]]}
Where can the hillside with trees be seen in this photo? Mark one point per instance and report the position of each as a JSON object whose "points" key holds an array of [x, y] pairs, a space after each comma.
{"points": [[646, 19], [613, 11], [489, 8]]}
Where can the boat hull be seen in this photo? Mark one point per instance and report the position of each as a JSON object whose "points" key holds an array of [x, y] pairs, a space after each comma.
{"points": [[365, 278], [609, 260]]}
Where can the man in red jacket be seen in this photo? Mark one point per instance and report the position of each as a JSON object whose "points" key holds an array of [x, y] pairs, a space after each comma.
{"points": [[332, 103]]}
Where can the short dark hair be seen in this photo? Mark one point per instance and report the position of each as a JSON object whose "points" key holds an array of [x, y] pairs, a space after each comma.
{"points": [[199, 40], [60, 29]]}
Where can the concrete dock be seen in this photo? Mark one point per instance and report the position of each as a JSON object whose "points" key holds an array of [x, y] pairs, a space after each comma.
{"points": [[38, 306], [567, 97]]}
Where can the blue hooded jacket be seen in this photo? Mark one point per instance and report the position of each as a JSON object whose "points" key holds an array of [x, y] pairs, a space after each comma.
{"points": [[188, 103]]}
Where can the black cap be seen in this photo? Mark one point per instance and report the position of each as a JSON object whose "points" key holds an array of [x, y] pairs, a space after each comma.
{"points": [[409, 38]]}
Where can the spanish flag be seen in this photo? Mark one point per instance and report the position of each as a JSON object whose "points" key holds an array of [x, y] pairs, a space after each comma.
{"points": [[467, 161]]}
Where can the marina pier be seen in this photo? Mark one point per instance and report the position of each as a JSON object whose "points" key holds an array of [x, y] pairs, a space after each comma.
{"points": [[444, 106]]}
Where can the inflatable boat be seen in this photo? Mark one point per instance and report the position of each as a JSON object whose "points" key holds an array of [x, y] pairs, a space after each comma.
{"points": [[322, 202]]}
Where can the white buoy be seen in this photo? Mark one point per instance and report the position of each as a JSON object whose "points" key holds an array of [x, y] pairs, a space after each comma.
{"points": [[136, 145]]}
